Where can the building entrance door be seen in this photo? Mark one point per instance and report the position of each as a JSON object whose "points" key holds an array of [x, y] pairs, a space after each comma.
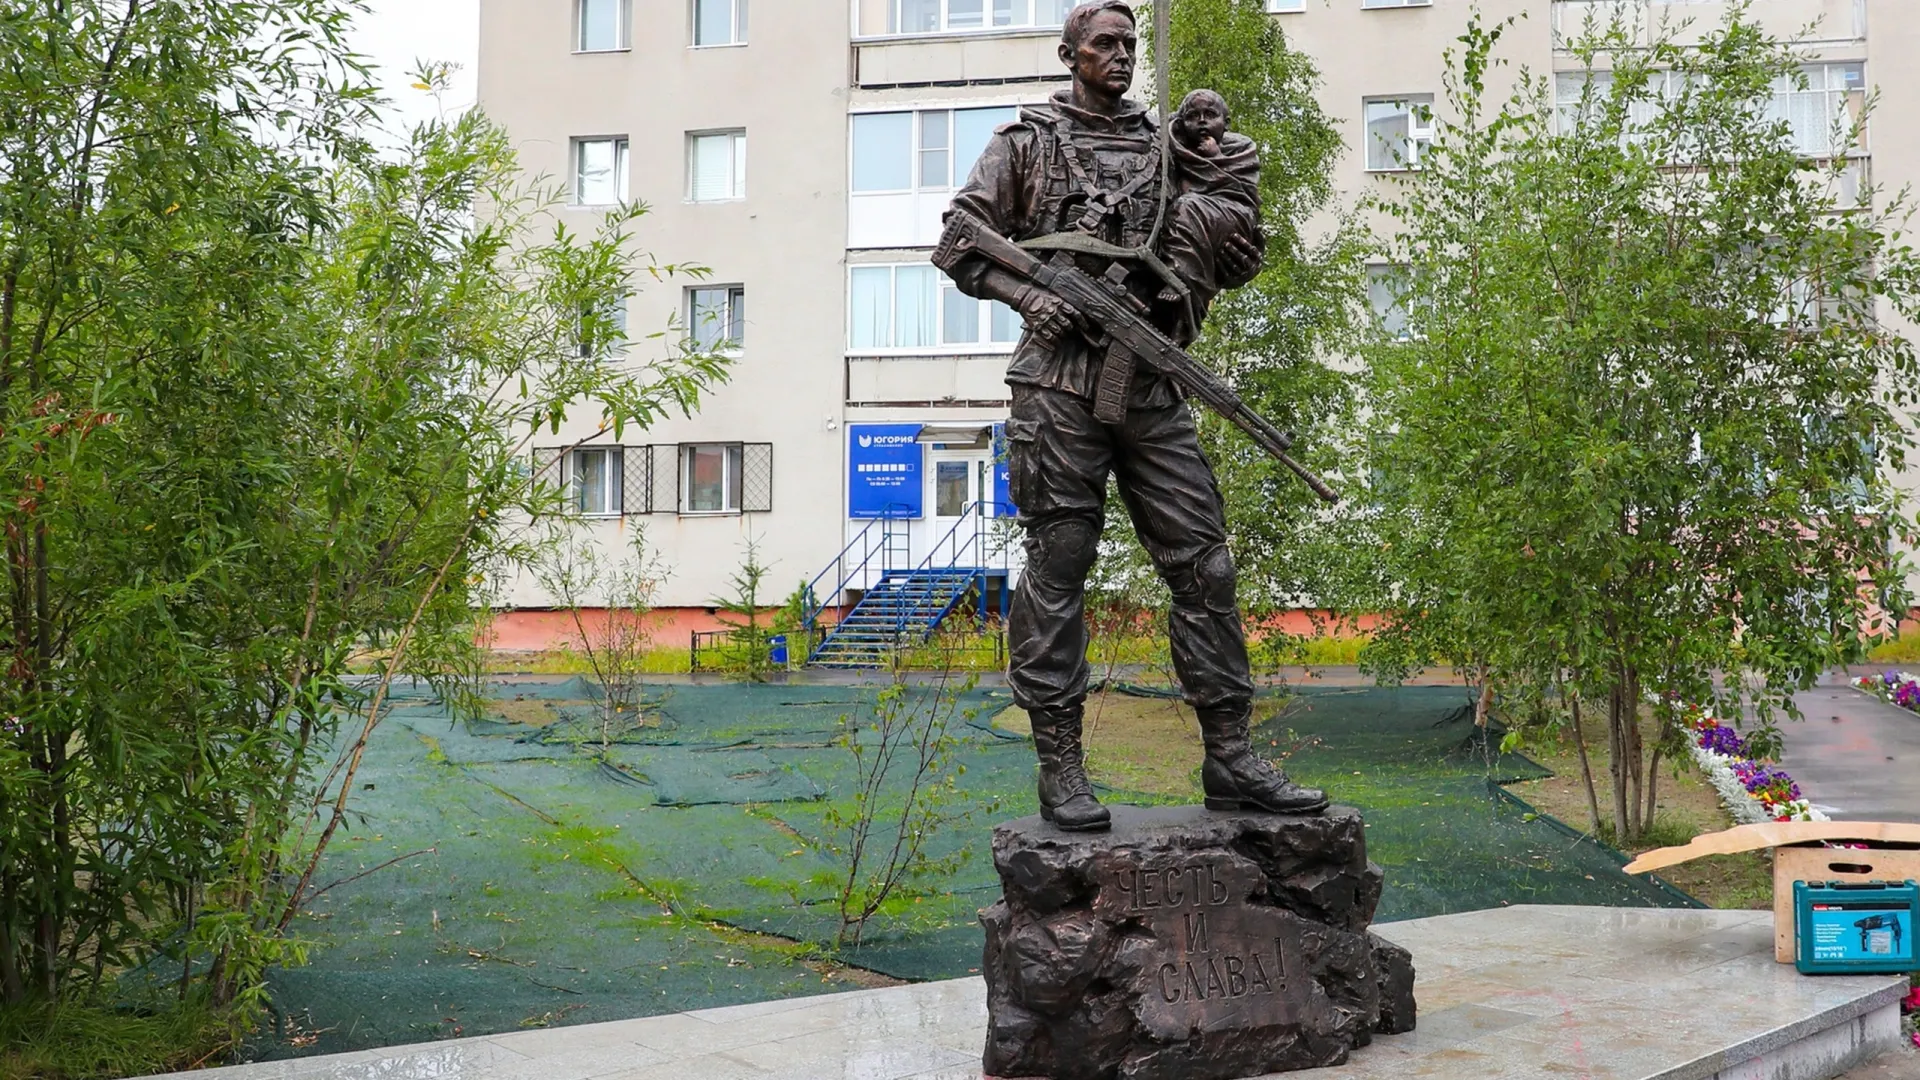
{"points": [[957, 480]]}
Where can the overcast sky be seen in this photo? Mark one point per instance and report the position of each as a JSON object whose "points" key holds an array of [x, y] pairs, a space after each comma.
{"points": [[395, 33]]}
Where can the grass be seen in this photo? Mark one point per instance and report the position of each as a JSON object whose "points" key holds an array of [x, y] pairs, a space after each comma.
{"points": [[1904, 649], [1686, 807], [1151, 746], [71, 1041], [960, 651]]}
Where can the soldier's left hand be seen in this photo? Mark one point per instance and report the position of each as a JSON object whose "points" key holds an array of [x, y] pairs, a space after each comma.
{"points": [[1240, 259]]}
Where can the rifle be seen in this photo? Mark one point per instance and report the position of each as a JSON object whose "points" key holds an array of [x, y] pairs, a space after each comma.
{"points": [[1128, 334]]}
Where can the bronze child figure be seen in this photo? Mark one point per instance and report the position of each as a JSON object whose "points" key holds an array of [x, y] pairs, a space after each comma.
{"points": [[1087, 163], [1217, 182]]}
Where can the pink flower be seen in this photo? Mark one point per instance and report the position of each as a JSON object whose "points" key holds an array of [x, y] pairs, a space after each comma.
{"points": [[1916, 1040], [1911, 1003]]}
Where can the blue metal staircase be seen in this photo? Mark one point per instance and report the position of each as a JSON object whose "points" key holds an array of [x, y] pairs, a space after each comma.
{"points": [[903, 608], [899, 607]]}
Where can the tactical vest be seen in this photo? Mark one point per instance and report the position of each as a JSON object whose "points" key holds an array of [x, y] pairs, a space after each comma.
{"points": [[1104, 184]]}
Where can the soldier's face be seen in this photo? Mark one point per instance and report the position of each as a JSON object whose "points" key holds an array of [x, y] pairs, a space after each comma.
{"points": [[1103, 58]]}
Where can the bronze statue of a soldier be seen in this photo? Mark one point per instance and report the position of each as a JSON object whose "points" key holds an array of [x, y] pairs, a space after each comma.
{"points": [[1088, 165]]}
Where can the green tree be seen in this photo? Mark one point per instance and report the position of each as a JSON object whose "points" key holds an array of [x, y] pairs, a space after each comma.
{"points": [[1284, 339], [1636, 445], [258, 415], [748, 639]]}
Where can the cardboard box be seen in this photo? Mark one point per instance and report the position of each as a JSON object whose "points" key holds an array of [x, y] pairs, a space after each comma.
{"points": [[1818, 863]]}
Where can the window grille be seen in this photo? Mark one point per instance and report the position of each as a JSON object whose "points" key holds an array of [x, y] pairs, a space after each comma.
{"points": [[756, 470]]}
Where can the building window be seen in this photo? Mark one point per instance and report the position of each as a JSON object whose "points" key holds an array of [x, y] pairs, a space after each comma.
{"points": [[603, 331], [1286, 5], [914, 306], [1395, 3], [710, 478], [604, 25], [717, 166], [1824, 113], [1386, 295], [596, 482], [719, 22], [932, 150], [717, 317], [941, 16], [599, 171], [1398, 131]]}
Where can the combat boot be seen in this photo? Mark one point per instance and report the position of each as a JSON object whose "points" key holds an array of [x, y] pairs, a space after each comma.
{"points": [[1066, 795], [1235, 778]]}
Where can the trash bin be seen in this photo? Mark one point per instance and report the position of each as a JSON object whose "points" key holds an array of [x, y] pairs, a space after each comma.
{"points": [[777, 650]]}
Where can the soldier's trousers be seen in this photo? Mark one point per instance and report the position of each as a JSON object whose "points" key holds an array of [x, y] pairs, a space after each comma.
{"points": [[1059, 461]]}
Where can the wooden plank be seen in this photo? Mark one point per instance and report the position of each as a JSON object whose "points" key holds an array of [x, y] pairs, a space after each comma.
{"points": [[1769, 834]]}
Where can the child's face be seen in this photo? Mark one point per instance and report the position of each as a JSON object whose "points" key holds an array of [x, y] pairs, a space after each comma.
{"points": [[1205, 115]]}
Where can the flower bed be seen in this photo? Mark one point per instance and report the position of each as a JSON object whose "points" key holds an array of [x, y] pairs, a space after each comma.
{"points": [[1894, 687], [1753, 791]]}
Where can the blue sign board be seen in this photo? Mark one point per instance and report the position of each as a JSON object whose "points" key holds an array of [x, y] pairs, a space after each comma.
{"points": [[883, 471], [1002, 475]]}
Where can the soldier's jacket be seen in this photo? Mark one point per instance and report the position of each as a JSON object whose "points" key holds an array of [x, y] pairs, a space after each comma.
{"points": [[1033, 179]]}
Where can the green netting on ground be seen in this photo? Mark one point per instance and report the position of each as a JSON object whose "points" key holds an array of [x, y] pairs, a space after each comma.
{"points": [[579, 871]]}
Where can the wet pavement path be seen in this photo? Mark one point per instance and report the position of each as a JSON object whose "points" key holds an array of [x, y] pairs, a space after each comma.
{"points": [[1855, 756]]}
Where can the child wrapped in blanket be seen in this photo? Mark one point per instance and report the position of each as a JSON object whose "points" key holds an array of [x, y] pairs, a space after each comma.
{"points": [[1216, 194]]}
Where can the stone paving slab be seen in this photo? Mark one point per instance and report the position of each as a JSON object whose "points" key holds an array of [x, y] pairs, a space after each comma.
{"points": [[1506, 994]]}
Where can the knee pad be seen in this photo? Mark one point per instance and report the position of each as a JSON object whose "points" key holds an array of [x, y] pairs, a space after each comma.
{"points": [[1213, 579], [1062, 552]]}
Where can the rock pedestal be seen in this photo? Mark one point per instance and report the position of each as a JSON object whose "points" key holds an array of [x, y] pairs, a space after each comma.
{"points": [[1187, 944]]}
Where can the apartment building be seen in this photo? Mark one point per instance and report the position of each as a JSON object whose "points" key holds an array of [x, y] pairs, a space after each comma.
{"points": [[804, 151]]}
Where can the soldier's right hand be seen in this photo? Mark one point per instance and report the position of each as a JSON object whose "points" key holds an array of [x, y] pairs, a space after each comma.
{"points": [[1047, 316]]}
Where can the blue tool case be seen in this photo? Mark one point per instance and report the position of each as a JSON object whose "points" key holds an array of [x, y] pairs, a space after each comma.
{"points": [[1855, 928]]}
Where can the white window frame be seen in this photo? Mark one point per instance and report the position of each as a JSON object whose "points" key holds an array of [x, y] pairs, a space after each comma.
{"points": [[1378, 273], [917, 149], [622, 156], [1385, 5], [1285, 7], [610, 503], [1419, 131], [623, 35], [737, 25], [617, 316], [732, 483], [940, 346], [1825, 80], [1016, 20], [736, 164], [736, 299]]}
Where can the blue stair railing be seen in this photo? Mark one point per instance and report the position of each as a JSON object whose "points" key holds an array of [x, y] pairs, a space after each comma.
{"points": [[884, 538], [905, 606]]}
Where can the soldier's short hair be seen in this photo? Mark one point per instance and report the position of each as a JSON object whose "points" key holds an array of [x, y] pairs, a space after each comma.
{"points": [[1075, 27]]}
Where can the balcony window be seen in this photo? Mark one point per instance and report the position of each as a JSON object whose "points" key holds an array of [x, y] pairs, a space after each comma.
{"points": [[914, 306], [960, 16], [1286, 5], [599, 171], [1395, 3], [932, 150], [1822, 112], [603, 25]]}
